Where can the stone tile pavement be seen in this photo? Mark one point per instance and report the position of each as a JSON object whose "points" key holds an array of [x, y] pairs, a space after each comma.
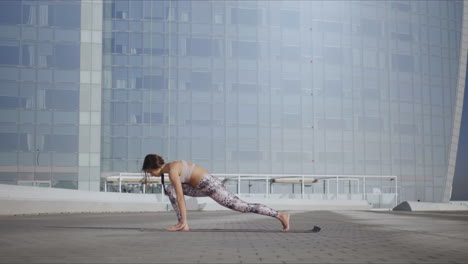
{"points": [[231, 237]]}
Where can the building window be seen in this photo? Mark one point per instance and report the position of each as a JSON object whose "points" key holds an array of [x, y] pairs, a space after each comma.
{"points": [[203, 47], [332, 55], [9, 102], [201, 12], [62, 100], [200, 81], [8, 141], [61, 143], [67, 56], [291, 52], [9, 52], [402, 62], [10, 12], [65, 15], [246, 16], [244, 49], [371, 27], [290, 19]]}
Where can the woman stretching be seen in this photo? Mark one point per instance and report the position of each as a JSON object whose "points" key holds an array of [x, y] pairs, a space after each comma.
{"points": [[192, 180]]}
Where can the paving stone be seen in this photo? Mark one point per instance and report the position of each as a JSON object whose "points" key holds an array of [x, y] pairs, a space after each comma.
{"points": [[231, 237]]}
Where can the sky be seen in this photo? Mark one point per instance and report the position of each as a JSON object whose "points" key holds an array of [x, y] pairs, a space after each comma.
{"points": [[460, 179]]}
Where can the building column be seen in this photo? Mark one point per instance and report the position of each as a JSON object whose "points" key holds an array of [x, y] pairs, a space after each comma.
{"points": [[458, 107], [89, 158]]}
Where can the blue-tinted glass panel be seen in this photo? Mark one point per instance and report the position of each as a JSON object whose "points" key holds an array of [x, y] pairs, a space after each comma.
{"points": [[30, 13], [62, 100], [65, 15], [402, 62], [201, 12], [244, 49], [204, 47], [29, 54], [61, 143], [67, 56], [200, 81], [371, 27], [10, 102], [10, 12], [245, 16], [8, 141], [290, 18], [9, 52]]}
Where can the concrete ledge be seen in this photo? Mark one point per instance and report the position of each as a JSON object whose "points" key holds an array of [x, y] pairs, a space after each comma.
{"points": [[425, 206], [15, 200], [21, 207]]}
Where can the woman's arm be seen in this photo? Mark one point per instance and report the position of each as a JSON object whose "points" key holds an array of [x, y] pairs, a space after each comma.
{"points": [[175, 180]]}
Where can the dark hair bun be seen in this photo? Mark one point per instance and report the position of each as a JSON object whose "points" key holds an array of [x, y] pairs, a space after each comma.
{"points": [[152, 162]]}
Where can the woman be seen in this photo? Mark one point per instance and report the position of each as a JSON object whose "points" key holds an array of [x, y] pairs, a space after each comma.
{"points": [[192, 180]]}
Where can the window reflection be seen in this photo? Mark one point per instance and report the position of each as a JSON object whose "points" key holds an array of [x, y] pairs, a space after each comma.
{"points": [[61, 143], [246, 16], [9, 52], [10, 12]]}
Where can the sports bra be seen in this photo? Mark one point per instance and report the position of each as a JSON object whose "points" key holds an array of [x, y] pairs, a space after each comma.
{"points": [[186, 172]]}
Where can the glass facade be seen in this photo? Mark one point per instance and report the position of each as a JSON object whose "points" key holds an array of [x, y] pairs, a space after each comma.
{"points": [[88, 88], [310, 87], [39, 92]]}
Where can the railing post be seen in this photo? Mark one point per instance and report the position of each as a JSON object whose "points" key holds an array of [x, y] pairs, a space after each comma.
{"points": [[120, 184], [105, 186], [337, 187], [266, 187], [302, 187], [364, 188], [396, 190], [328, 189], [324, 187], [358, 191], [349, 189], [238, 184]]}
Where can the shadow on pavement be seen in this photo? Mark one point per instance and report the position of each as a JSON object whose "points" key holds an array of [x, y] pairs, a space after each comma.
{"points": [[316, 229]]}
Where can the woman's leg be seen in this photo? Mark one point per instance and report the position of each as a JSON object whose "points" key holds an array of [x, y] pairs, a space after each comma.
{"points": [[188, 190], [214, 188]]}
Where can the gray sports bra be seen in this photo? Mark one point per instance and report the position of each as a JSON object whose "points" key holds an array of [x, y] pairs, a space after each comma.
{"points": [[186, 172]]}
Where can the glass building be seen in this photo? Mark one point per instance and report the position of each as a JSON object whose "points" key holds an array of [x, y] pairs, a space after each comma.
{"points": [[88, 88], [50, 86]]}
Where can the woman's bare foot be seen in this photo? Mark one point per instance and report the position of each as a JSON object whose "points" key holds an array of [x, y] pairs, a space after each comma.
{"points": [[184, 228], [284, 218], [172, 228], [179, 227]]}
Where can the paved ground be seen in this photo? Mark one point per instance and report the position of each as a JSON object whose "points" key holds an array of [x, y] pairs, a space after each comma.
{"points": [[346, 237]]}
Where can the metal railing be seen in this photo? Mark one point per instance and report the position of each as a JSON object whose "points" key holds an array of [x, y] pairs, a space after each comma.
{"points": [[380, 191]]}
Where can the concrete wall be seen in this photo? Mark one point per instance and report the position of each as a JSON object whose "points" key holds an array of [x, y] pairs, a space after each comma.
{"points": [[16, 200]]}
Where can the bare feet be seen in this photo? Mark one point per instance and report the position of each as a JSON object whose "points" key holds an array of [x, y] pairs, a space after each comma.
{"points": [[179, 227], [284, 218]]}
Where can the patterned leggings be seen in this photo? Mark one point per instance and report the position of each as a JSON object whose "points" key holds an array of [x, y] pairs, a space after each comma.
{"points": [[215, 189]]}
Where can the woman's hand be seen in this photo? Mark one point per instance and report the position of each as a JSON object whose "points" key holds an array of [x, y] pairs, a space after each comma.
{"points": [[181, 226]]}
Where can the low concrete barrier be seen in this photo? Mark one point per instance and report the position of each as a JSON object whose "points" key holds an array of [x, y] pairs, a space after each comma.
{"points": [[16, 200], [416, 206]]}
